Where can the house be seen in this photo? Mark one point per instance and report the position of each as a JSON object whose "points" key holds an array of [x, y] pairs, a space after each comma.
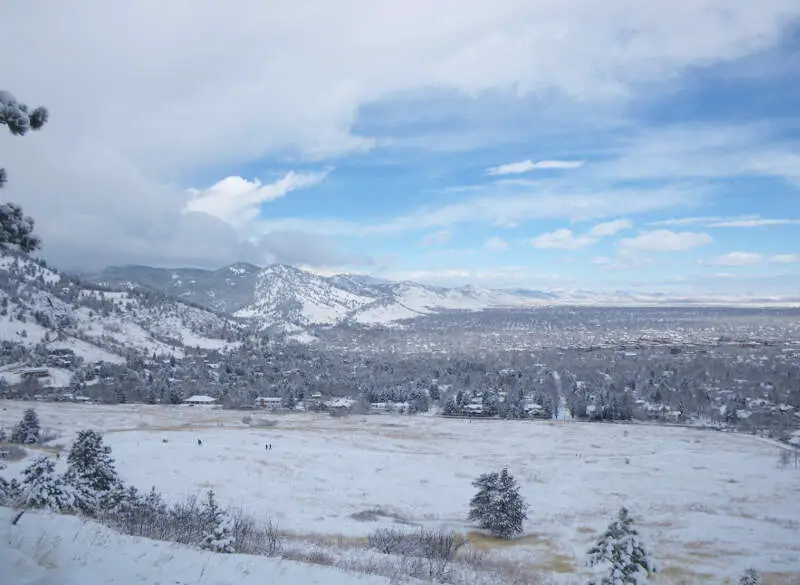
{"points": [[200, 400], [33, 373], [378, 407], [339, 404], [268, 402]]}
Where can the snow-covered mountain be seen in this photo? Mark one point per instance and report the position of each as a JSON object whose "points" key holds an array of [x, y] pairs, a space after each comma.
{"points": [[291, 300], [41, 306], [225, 290]]}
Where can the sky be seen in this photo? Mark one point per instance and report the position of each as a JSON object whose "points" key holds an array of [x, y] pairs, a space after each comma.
{"points": [[607, 144]]}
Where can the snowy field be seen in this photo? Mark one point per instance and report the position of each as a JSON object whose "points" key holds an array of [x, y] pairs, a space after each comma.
{"points": [[708, 504]]}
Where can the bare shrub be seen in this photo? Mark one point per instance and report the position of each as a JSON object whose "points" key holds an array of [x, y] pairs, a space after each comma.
{"points": [[440, 544], [247, 419], [188, 522], [47, 434], [784, 458], [314, 555], [12, 452], [424, 554]]}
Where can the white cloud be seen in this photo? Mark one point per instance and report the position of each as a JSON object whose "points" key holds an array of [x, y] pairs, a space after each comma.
{"points": [[610, 228], [738, 259], [748, 223], [744, 221], [237, 201], [701, 151], [290, 79], [565, 239], [528, 165], [664, 241], [785, 259], [438, 237], [496, 244], [562, 239]]}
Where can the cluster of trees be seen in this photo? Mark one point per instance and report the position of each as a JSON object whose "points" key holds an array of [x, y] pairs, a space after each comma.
{"points": [[92, 487]]}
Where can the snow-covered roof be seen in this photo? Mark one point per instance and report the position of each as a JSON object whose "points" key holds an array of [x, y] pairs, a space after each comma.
{"points": [[200, 398]]}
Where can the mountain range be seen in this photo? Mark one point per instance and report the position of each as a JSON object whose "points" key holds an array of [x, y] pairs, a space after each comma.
{"points": [[291, 299], [141, 310]]}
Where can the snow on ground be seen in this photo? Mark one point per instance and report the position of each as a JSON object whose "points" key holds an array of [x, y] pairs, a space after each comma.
{"points": [[709, 504], [88, 351], [48, 549], [125, 334], [385, 314], [27, 333]]}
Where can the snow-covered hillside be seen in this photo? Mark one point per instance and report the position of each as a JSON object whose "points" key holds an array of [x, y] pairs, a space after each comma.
{"points": [[50, 549], [286, 294], [39, 305]]}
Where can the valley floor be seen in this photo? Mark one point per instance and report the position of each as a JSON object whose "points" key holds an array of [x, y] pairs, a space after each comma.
{"points": [[708, 504]]}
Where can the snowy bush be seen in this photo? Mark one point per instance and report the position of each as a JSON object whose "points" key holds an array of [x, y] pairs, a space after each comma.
{"points": [[10, 491], [750, 577], [192, 523], [27, 430], [498, 506], [620, 554], [42, 488], [425, 553]]}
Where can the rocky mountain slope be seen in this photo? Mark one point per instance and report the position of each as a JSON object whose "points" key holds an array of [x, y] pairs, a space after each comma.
{"points": [[225, 290], [40, 306]]}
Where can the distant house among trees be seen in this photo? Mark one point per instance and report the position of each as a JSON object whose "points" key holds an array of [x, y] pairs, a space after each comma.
{"points": [[33, 373], [200, 400], [268, 402]]}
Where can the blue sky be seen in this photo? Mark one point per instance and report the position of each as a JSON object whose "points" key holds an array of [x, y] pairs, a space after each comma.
{"points": [[595, 146], [695, 178]]}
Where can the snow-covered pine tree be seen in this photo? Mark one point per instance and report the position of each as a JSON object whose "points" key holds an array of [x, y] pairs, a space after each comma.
{"points": [[10, 492], [498, 506], [42, 488], [750, 577], [621, 554], [91, 473], [511, 509], [15, 228], [480, 506], [218, 533], [27, 430]]}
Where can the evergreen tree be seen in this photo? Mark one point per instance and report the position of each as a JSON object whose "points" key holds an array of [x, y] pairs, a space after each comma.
{"points": [[218, 533], [750, 577], [498, 506], [150, 396], [15, 228], [621, 554], [91, 472], [27, 430], [42, 488], [10, 492]]}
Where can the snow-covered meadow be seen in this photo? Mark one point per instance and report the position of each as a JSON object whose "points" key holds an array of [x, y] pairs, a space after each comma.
{"points": [[708, 504]]}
